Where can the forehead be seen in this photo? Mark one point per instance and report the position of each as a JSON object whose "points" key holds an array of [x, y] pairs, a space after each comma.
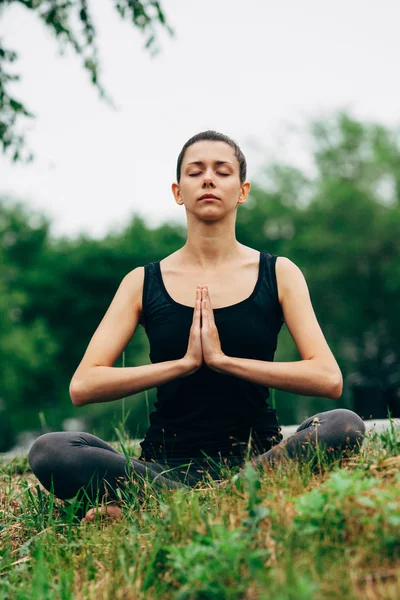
{"points": [[209, 151]]}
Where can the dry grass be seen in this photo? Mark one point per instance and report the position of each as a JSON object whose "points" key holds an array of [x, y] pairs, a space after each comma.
{"points": [[292, 533]]}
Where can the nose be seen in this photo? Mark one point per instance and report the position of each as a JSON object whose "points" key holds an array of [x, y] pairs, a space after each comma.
{"points": [[208, 178]]}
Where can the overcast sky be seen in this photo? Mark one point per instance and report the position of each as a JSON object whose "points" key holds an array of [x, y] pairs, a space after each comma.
{"points": [[252, 75]]}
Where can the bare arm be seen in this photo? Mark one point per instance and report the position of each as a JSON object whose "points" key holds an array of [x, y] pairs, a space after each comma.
{"points": [[96, 380], [318, 373]]}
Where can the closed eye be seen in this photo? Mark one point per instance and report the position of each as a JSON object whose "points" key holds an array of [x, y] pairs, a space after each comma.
{"points": [[195, 174]]}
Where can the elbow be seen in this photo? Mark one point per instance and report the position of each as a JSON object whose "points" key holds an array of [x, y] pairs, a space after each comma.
{"points": [[76, 393], [336, 386]]}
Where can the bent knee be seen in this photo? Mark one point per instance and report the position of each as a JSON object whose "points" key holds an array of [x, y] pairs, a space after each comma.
{"points": [[347, 427], [48, 452], [50, 459], [40, 451], [351, 421]]}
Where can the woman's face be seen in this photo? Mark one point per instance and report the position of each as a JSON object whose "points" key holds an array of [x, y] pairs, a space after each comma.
{"points": [[210, 168]]}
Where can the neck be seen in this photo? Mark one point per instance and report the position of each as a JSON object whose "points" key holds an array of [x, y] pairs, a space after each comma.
{"points": [[211, 244]]}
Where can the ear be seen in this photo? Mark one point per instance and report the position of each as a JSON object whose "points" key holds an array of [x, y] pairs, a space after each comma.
{"points": [[244, 192], [176, 190]]}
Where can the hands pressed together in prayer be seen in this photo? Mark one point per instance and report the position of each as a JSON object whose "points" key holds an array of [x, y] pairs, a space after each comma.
{"points": [[204, 346], [204, 343]]}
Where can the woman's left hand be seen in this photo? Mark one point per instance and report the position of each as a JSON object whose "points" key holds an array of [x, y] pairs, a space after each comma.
{"points": [[212, 351]]}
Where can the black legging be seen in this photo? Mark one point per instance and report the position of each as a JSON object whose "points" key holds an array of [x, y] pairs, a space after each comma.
{"points": [[71, 462]]}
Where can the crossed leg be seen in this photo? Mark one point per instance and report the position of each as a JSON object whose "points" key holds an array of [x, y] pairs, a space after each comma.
{"points": [[68, 463], [336, 431]]}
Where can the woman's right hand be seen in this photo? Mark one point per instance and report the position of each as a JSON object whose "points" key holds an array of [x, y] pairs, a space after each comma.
{"points": [[194, 355]]}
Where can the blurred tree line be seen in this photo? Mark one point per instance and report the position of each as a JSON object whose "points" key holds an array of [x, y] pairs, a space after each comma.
{"points": [[339, 224]]}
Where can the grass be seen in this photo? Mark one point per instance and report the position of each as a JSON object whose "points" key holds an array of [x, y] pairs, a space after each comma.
{"points": [[294, 533]]}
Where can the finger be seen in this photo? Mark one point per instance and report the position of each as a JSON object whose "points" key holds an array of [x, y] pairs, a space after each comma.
{"points": [[204, 308], [204, 294], [205, 314], [202, 297], [205, 301], [209, 307], [199, 304], [196, 311]]}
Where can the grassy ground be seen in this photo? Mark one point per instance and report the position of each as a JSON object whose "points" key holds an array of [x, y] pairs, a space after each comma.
{"points": [[290, 534]]}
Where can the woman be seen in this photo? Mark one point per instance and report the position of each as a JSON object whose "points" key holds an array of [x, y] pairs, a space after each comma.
{"points": [[212, 312]]}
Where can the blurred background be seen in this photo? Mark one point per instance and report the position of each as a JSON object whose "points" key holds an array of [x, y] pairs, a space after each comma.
{"points": [[96, 102]]}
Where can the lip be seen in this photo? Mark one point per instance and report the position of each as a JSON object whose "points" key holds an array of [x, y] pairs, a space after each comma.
{"points": [[208, 197]]}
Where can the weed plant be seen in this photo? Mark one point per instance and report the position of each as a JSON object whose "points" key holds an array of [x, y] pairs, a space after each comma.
{"points": [[300, 531]]}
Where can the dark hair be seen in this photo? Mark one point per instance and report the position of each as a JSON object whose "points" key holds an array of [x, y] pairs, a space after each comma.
{"points": [[213, 136]]}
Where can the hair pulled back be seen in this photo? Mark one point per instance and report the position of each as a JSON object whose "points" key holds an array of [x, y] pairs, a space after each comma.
{"points": [[213, 136]]}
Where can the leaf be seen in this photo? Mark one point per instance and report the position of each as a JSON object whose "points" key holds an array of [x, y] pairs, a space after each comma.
{"points": [[366, 501]]}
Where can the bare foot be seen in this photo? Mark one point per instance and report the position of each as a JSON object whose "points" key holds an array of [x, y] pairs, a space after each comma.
{"points": [[110, 511]]}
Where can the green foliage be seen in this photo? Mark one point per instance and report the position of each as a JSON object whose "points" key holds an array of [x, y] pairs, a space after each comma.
{"points": [[71, 23], [220, 562], [340, 225], [212, 566], [256, 511], [351, 508], [27, 347], [323, 536], [388, 439], [54, 295], [11, 109]]}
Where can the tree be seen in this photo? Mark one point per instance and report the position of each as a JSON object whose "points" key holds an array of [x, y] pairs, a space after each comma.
{"points": [[27, 347], [341, 226], [53, 295], [70, 21]]}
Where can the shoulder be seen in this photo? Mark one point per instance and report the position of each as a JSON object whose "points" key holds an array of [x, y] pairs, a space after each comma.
{"points": [[133, 278], [289, 277], [286, 267], [132, 285]]}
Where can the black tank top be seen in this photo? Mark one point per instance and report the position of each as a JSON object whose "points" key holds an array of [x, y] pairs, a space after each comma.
{"points": [[209, 411]]}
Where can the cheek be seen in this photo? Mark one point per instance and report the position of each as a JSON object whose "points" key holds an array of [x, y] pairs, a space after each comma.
{"points": [[233, 190], [187, 191]]}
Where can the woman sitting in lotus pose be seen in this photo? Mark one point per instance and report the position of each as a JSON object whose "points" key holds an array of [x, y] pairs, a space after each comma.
{"points": [[212, 312]]}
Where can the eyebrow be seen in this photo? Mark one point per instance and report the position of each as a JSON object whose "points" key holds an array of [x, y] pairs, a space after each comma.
{"points": [[217, 162]]}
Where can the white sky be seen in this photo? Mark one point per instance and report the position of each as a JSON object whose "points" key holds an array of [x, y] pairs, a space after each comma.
{"points": [[252, 75]]}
